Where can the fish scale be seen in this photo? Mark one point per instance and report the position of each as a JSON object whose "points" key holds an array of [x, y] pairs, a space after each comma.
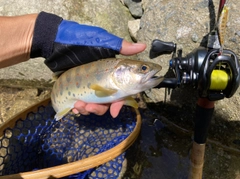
{"points": [[103, 81]]}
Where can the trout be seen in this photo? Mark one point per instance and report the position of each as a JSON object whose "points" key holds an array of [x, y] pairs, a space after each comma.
{"points": [[103, 81]]}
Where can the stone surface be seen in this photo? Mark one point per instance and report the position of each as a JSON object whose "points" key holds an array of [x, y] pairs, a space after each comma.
{"points": [[134, 26], [135, 7]]}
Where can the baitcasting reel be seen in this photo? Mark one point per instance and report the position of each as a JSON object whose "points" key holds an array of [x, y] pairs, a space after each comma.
{"points": [[215, 73]]}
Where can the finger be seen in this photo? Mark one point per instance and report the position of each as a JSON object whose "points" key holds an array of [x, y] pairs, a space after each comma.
{"points": [[80, 107], [115, 108], [129, 48], [98, 109], [75, 111]]}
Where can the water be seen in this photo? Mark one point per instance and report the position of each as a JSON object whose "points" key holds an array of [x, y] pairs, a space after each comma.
{"points": [[163, 148]]}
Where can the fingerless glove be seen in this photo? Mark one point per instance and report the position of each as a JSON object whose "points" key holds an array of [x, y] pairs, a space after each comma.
{"points": [[66, 44]]}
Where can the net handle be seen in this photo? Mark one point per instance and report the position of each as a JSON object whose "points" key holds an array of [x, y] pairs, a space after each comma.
{"points": [[77, 166]]}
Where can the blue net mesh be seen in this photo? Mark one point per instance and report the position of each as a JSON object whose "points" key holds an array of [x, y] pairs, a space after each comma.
{"points": [[39, 142]]}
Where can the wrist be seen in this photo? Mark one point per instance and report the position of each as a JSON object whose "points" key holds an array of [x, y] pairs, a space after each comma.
{"points": [[16, 38]]}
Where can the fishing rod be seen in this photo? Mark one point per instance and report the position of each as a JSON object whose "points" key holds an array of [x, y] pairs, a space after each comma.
{"points": [[213, 71]]}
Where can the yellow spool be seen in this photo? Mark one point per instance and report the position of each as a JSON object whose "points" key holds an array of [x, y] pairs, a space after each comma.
{"points": [[219, 80]]}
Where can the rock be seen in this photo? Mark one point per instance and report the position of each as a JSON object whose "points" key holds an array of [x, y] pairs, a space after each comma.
{"points": [[238, 33], [122, 1], [195, 38], [135, 7], [144, 4], [133, 27]]}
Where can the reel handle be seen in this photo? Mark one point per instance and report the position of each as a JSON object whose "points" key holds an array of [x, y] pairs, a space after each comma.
{"points": [[160, 47]]}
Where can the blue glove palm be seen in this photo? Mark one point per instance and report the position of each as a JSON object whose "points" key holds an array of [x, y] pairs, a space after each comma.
{"points": [[66, 44]]}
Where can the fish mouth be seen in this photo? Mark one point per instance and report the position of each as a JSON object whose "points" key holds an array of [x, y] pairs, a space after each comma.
{"points": [[157, 79], [152, 79]]}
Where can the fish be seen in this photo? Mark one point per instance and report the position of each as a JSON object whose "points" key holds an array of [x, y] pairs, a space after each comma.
{"points": [[103, 81]]}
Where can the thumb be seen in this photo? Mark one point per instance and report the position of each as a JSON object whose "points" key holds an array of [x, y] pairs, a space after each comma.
{"points": [[129, 48]]}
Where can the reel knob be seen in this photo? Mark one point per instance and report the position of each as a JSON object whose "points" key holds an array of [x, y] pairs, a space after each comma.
{"points": [[160, 47]]}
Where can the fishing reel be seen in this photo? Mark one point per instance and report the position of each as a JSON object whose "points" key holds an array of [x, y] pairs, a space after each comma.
{"points": [[214, 73]]}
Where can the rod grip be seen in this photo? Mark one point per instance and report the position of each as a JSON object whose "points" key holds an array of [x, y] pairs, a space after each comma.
{"points": [[204, 112], [197, 161]]}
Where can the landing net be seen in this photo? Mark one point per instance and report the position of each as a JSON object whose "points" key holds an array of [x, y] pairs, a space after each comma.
{"points": [[90, 146]]}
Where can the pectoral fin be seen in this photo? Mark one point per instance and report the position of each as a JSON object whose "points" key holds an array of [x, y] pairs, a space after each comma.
{"points": [[62, 113], [129, 101], [101, 91]]}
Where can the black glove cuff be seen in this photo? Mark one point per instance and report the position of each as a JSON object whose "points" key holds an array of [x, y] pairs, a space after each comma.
{"points": [[44, 34]]}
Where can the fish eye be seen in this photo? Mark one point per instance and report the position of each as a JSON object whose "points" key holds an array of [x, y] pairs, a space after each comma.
{"points": [[144, 68]]}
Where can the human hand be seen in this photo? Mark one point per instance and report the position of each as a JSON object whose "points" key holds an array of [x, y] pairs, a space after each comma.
{"points": [[66, 44]]}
